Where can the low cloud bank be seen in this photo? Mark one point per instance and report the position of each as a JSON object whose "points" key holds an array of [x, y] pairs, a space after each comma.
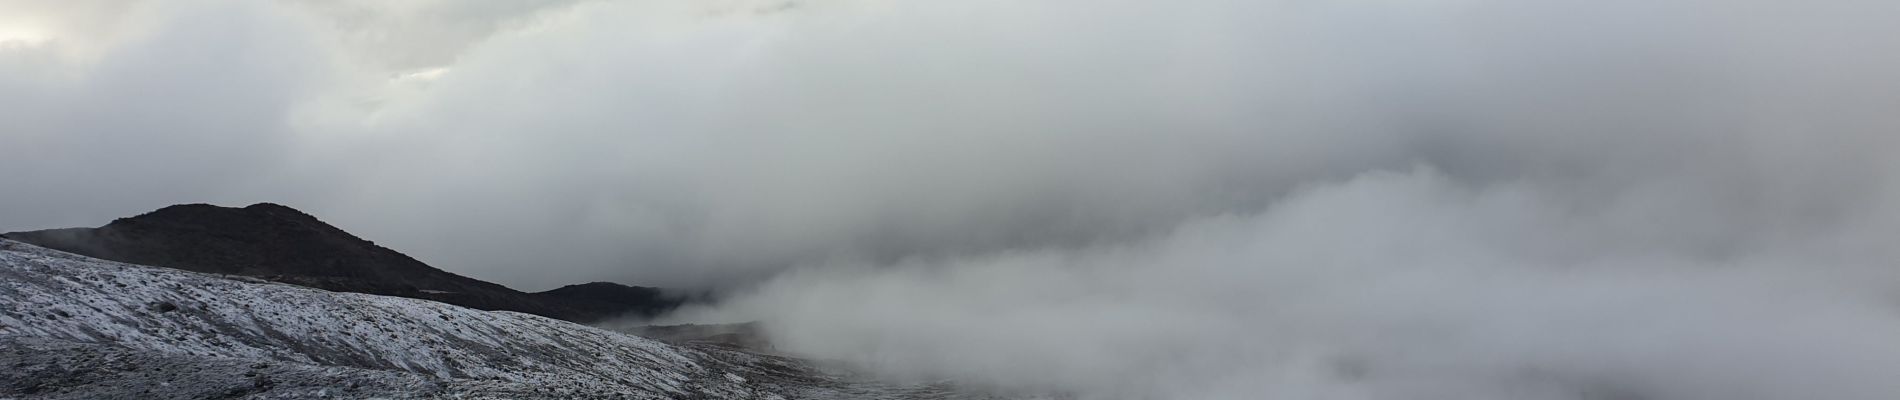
{"points": [[1388, 285], [1564, 199], [1623, 200]]}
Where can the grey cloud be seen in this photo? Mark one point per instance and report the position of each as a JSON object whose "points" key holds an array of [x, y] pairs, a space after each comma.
{"points": [[1382, 199], [178, 112]]}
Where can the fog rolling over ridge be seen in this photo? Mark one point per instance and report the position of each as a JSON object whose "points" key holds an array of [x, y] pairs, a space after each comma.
{"points": [[1437, 199]]}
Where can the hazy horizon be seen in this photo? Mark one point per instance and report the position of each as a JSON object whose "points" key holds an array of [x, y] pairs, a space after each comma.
{"points": [[1548, 199]]}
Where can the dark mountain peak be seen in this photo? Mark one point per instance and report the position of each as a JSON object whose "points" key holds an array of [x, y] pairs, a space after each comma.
{"points": [[277, 218], [196, 209], [596, 285], [184, 208], [201, 209], [602, 300], [278, 211], [276, 242], [259, 240], [271, 206], [172, 212], [599, 288]]}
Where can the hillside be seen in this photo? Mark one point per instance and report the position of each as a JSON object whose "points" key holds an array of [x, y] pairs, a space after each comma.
{"points": [[76, 327], [282, 244], [601, 300]]}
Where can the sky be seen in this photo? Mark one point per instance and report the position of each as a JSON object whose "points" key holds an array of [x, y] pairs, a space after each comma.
{"points": [[1115, 199]]}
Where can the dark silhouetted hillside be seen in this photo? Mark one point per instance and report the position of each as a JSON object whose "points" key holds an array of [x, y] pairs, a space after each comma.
{"points": [[282, 244]]}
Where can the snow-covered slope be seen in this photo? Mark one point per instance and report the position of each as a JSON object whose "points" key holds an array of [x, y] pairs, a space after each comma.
{"points": [[72, 326]]}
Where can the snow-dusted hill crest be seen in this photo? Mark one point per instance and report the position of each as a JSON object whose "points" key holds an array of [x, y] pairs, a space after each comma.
{"points": [[85, 328], [282, 244]]}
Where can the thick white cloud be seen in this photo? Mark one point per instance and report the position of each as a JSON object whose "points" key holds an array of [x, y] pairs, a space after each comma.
{"points": [[1389, 285], [1195, 199], [135, 105]]}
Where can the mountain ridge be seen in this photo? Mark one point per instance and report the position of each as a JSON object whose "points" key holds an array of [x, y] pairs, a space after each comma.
{"points": [[279, 243], [73, 327]]}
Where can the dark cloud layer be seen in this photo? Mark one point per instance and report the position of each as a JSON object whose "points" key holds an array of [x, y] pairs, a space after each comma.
{"points": [[1676, 199]]}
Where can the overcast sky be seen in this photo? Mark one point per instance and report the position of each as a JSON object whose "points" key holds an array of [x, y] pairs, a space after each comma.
{"points": [[1563, 199], [682, 143]]}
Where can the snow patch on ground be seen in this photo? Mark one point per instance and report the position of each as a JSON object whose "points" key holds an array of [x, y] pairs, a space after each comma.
{"points": [[78, 327]]}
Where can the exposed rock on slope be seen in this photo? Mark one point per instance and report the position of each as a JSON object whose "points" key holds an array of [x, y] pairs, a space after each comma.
{"points": [[76, 327], [278, 243]]}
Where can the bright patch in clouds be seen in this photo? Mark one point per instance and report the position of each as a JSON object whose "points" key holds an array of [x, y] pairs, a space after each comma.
{"points": [[12, 34]]}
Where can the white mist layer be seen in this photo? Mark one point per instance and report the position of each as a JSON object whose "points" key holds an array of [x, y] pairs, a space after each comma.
{"points": [[1399, 285], [1383, 199], [696, 144], [1443, 200]]}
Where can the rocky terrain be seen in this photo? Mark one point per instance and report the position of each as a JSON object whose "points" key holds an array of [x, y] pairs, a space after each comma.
{"points": [[282, 244], [83, 328]]}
